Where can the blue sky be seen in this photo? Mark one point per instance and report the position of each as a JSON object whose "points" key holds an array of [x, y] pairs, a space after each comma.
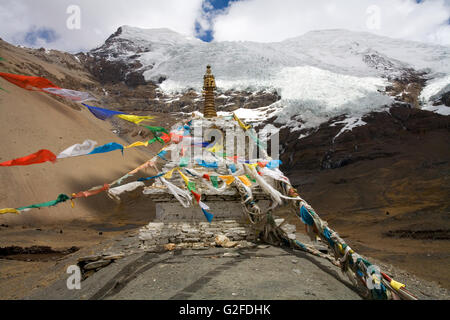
{"points": [[216, 7]]}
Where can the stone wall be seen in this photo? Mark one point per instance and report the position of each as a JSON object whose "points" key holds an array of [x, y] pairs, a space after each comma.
{"points": [[160, 233]]}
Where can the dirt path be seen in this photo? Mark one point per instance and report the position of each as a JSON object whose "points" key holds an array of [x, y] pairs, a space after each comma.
{"points": [[262, 272]]}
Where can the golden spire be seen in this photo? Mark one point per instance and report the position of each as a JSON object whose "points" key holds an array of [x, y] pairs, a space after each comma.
{"points": [[209, 85]]}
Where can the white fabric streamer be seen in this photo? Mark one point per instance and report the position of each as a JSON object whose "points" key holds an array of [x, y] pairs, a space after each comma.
{"points": [[116, 192], [77, 96], [79, 149], [275, 174], [181, 195]]}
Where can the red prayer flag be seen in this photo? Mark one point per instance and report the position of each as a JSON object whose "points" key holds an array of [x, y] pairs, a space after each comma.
{"points": [[28, 82], [38, 157], [89, 193], [196, 196], [165, 137]]}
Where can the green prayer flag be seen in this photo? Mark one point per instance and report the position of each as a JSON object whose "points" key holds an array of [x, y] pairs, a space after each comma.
{"points": [[191, 186], [61, 198], [214, 181], [184, 162], [250, 178], [156, 139], [156, 129]]}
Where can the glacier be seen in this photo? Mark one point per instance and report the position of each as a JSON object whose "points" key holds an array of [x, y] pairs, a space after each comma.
{"points": [[319, 75]]}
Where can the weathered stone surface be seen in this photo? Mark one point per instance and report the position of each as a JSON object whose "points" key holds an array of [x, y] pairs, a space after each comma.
{"points": [[221, 240], [97, 264], [231, 254], [170, 246], [230, 244], [183, 232], [114, 256], [90, 258]]}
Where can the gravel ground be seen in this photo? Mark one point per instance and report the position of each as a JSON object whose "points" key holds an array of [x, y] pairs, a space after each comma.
{"points": [[259, 273]]}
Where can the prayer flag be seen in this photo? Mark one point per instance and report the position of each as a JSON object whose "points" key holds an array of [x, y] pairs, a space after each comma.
{"points": [[79, 149], [107, 148], [38, 157], [101, 113]]}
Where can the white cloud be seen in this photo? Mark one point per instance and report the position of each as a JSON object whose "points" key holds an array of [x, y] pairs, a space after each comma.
{"points": [[274, 20], [99, 19]]}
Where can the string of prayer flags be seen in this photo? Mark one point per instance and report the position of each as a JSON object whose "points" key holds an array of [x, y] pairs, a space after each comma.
{"points": [[38, 157], [61, 198], [134, 119], [79, 149], [101, 113], [112, 146]]}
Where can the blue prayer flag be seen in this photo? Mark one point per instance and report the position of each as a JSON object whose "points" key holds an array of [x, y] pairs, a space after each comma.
{"points": [[101, 113]]}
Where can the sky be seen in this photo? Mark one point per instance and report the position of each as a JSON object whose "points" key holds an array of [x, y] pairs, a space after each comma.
{"points": [[81, 25]]}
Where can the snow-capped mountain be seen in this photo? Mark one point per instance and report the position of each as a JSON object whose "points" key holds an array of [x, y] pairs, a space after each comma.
{"points": [[318, 76]]}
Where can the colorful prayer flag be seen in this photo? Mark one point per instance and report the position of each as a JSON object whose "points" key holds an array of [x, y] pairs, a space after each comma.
{"points": [[101, 113], [78, 149], [38, 157], [28, 82], [134, 119], [107, 148]]}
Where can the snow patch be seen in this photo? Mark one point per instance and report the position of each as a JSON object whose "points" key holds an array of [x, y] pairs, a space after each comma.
{"points": [[442, 110], [350, 124], [435, 89]]}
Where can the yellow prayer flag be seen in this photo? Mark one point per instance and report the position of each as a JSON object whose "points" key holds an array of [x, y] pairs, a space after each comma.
{"points": [[228, 179], [133, 118], [396, 285], [168, 175], [137, 144], [252, 165], [215, 148], [245, 181], [9, 210], [186, 179], [243, 126]]}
